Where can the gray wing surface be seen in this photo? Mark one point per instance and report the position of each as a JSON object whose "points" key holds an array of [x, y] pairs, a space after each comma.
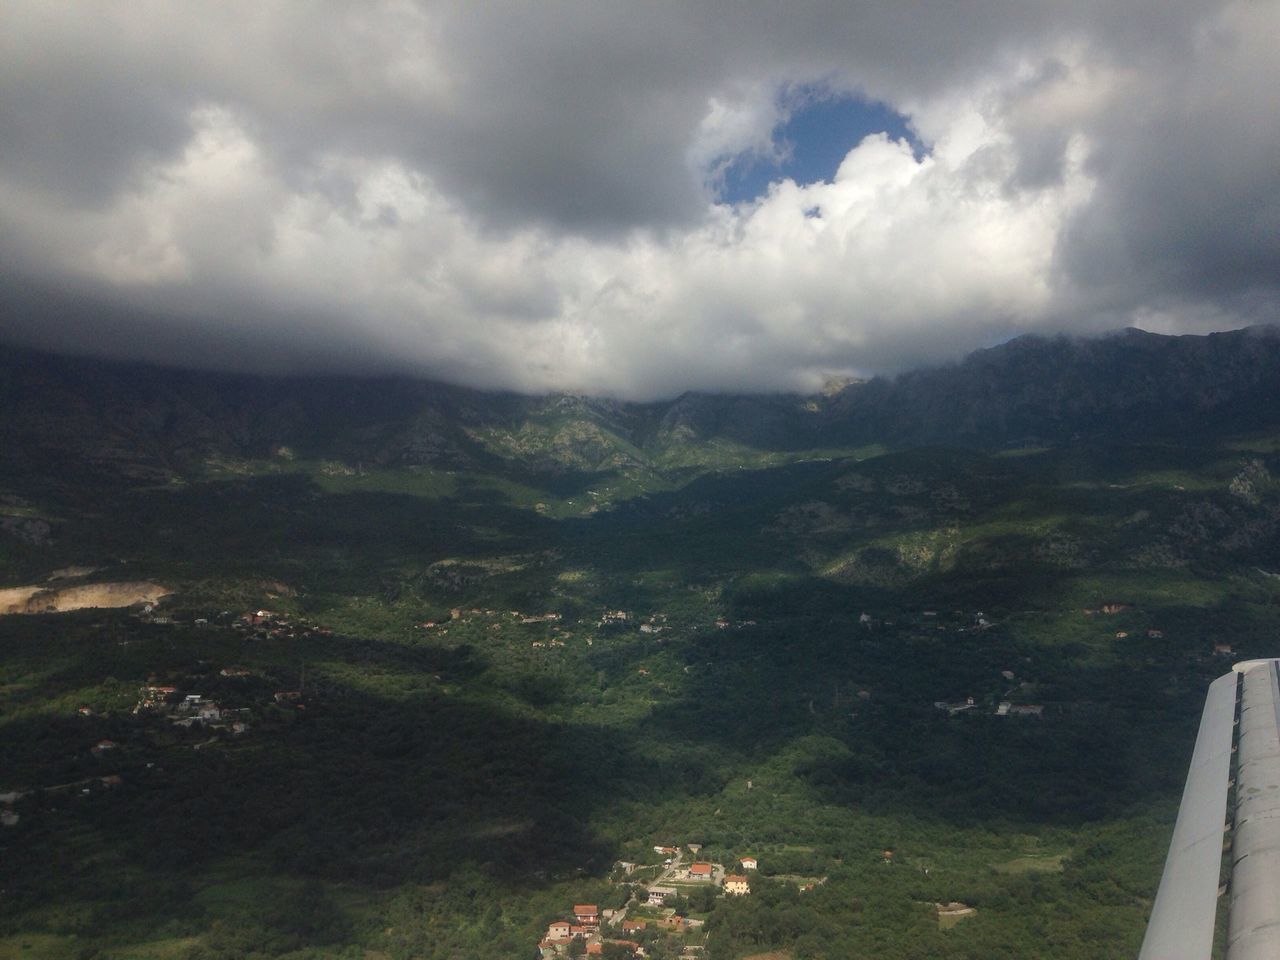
{"points": [[1182, 919], [1253, 928]]}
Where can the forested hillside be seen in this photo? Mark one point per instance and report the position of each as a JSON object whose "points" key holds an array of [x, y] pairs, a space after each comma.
{"points": [[461, 661]]}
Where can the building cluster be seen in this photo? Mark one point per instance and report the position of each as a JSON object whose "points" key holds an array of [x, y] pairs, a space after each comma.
{"points": [[585, 928], [654, 624], [192, 709], [268, 625], [651, 910]]}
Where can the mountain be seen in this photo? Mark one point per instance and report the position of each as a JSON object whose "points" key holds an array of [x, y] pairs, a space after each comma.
{"points": [[152, 422], [1127, 385]]}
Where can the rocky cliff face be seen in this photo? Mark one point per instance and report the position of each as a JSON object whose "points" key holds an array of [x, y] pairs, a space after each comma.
{"points": [[1127, 385]]}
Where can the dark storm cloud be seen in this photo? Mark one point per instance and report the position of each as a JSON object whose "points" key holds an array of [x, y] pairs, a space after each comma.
{"points": [[1186, 203], [519, 194]]}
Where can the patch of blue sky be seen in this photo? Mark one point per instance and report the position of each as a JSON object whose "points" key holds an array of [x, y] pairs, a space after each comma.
{"points": [[818, 133]]}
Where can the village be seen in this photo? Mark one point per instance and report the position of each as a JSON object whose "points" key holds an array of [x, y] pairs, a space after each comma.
{"points": [[1015, 700], [185, 708], [651, 914], [667, 902], [186, 715]]}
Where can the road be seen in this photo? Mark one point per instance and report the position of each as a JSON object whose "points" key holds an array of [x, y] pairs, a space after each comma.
{"points": [[671, 872]]}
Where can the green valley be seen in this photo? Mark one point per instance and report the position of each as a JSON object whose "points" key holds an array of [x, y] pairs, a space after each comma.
{"points": [[464, 662]]}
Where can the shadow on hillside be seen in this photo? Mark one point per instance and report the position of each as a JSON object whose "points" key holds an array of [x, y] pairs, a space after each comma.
{"points": [[1113, 736], [353, 788]]}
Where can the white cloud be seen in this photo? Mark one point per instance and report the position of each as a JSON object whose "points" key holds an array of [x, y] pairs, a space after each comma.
{"points": [[735, 124], [524, 202]]}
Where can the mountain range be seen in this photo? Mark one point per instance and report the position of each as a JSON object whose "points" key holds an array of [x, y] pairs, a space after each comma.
{"points": [[148, 421]]}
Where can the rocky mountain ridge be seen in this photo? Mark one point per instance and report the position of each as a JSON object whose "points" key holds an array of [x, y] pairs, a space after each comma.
{"points": [[150, 423]]}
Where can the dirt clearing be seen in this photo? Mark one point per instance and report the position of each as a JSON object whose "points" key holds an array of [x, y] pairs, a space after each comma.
{"points": [[43, 599]]}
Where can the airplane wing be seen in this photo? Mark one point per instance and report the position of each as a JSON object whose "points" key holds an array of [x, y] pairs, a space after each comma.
{"points": [[1183, 916]]}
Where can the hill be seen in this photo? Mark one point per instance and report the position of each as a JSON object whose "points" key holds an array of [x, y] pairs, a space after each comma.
{"points": [[458, 658]]}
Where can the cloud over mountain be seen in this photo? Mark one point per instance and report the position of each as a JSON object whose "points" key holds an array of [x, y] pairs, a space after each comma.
{"points": [[527, 196]]}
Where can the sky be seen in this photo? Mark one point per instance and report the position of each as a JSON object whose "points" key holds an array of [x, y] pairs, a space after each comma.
{"points": [[815, 132], [630, 199]]}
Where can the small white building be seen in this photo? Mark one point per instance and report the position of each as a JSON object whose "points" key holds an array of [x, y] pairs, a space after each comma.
{"points": [[659, 895]]}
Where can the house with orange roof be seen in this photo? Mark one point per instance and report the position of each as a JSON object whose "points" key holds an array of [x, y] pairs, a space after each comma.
{"points": [[699, 871], [748, 863], [587, 914]]}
